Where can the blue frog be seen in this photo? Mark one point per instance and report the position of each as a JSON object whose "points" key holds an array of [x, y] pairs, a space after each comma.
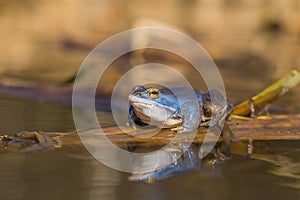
{"points": [[176, 108]]}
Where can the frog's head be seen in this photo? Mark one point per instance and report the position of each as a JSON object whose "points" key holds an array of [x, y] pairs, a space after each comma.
{"points": [[155, 106]]}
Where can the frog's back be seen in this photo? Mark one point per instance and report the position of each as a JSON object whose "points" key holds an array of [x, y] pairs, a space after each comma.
{"points": [[182, 94]]}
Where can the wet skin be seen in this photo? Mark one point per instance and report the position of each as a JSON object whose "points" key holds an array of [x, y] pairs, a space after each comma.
{"points": [[176, 108]]}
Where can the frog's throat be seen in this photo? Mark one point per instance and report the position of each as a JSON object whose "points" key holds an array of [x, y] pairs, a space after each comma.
{"points": [[168, 122], [162, 116]]}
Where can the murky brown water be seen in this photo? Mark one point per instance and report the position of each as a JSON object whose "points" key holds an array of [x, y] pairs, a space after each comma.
{"points": [[72, 173]]}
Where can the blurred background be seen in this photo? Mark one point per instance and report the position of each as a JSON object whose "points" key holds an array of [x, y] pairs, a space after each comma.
{"points": [[43, 42], [252, 42]]}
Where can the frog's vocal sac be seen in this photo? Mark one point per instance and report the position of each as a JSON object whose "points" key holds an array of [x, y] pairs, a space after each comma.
{"points": [[162, 108]]}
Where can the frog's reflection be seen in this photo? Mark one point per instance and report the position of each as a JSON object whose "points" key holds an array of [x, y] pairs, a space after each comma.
{"points": [[187, 161], [283, 166]]}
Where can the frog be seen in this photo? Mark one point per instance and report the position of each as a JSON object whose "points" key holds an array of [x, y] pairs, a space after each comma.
{"points": [[160, 107]]}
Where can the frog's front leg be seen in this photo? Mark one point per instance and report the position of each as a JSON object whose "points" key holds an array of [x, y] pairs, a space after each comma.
{"points": [[191, 116]]}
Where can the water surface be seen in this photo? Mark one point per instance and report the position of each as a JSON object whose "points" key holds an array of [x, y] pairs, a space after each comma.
{"points": [[72, 173]]}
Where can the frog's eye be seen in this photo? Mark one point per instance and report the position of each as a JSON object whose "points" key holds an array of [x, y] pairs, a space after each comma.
{"points": [[153, 93]]}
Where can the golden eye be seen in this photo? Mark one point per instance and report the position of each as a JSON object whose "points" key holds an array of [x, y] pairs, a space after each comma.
{"points": [[153, 93]]}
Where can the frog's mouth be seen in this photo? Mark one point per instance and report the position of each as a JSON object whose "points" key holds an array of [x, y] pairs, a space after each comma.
{"points": [[139, 103]]}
